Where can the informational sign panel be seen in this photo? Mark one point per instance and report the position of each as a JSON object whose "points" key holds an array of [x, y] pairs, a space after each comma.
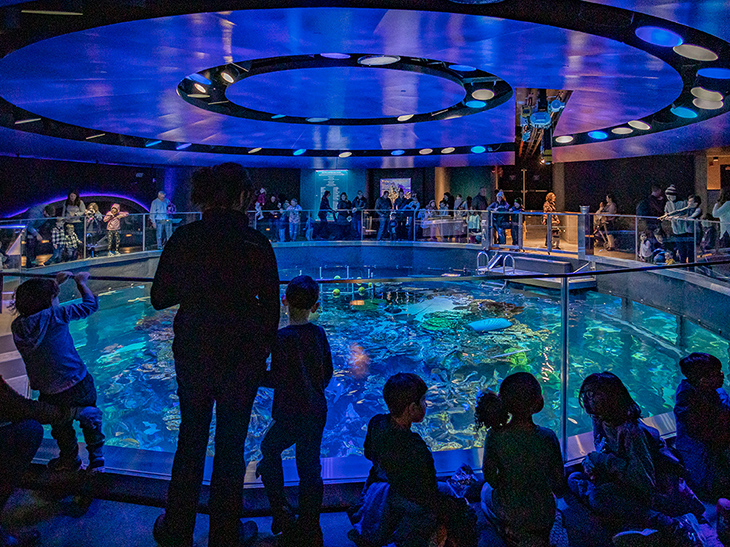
{"points": [[334, 180], [393, 186]]}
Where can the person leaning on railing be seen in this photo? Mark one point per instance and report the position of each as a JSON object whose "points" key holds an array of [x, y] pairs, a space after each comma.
{"points": [[383, 206]]}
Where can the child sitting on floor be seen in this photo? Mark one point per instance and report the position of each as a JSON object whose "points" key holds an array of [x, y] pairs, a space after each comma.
{"points": [[54, 367], [702, 411], [522, 467], [628, 479], [301, 368]]}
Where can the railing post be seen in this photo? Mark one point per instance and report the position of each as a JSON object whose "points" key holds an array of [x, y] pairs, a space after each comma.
{"points": [[549, 233], [636, 238], [85, 236], [144, 232], [520, 232], [694, 240], [564, 311], [583, 227]]}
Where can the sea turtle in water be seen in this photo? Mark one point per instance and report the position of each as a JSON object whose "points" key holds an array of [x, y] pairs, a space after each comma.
{"points": [[441, 321]]}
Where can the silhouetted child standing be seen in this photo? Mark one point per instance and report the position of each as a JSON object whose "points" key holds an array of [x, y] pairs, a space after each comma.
{"points": [[54, 367], [703, 426], [523, 466], [301, 368]]}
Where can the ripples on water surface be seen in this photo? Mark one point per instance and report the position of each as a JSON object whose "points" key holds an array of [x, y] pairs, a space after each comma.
{"points": [[423, 328]]}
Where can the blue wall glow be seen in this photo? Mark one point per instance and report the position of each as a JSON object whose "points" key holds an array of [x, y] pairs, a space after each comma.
{"points": [[478, 149], [659, 36], [683, 112], [715, 73], [598, 135]]}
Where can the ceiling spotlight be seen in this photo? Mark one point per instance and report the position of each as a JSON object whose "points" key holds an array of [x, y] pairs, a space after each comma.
{"points": [[706, 94], [462, 68], [475, 104], [541, 120], [335, 55], [183, 146], [622, 130], [227, 77], [199, 95], [425, 151], [659, 36], [317, 120], [564, 139], [299, 152], [556, 105], [152, 143], [378, 60], [683, 112], [483, 94], [254, 150], [397, 152], [715, 73], [345, 154], [708, 105], [636, 124], [478, 149], [27, 120], [200, 88], [695, 53], [90, 137], [598, 135], [278, 116], [404, 117], [199, 78], [448, 150]]}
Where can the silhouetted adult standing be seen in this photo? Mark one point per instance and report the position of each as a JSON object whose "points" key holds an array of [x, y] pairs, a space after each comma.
{"points": [[223, 275]]}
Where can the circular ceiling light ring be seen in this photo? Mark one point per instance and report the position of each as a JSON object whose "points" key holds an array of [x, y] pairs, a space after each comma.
{"points": [[564, 139], [638, 124], [482, 90]]}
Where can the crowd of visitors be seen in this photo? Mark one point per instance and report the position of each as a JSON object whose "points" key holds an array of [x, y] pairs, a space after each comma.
{"points": [[225, 328]]}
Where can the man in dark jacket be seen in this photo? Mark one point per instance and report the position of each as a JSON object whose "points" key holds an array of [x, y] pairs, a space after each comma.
{"points": [[223, 275], [21, 434], [383, 206]]}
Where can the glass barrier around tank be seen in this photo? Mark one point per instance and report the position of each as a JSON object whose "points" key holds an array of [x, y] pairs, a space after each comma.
{"points": [[460, 334]]}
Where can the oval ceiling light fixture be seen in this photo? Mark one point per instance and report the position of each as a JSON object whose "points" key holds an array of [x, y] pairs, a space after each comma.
{"points": [[478, 149], [695, 53], [463, 68], [598, 135], [483, 94], [636, 124], [299, 152], [659, 36], [715, 73], [683, 112], [475, 104], [227, 77], [317, 120], [345, 154], [397, 152], [335, 55], [378, 60], [200, 87], [183, 146], [708, 105], [448, 150], [404, 117], [564, 139], [706, 94], [254, 150], [622, 131], [278, 116], [425, 151]]}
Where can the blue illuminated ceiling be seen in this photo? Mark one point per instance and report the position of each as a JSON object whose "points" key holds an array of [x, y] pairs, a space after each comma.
{"points": [[120, 82]]}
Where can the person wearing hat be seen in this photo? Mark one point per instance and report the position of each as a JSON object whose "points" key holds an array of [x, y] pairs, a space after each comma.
{"points": [[500, 218]]}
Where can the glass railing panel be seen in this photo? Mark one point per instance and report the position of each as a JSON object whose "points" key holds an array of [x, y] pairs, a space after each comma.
{"points": [[443, 226], [11, 246]]}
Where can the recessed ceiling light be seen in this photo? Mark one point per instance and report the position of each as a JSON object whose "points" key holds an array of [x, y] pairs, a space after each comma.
{"points": [[706, 94], [448, 150], [475, 104], [299, 152], [345, 154], [335, 55], [27, 120], [405, 117], [183, 146], [397, 152], [659, 36], [636, 124], [683, 112], [90, 137], [696, 53], [598, 135], [152, 143], [425, 151], [227, 77], [199, 95], [715, 73], [278, 116], [199, 78], [200, 87], [378, 60], [254, 150], [622, 130], [478, 149], [462, 68], [708, 105], [563, 139], [317, 120], [483, 94]]}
